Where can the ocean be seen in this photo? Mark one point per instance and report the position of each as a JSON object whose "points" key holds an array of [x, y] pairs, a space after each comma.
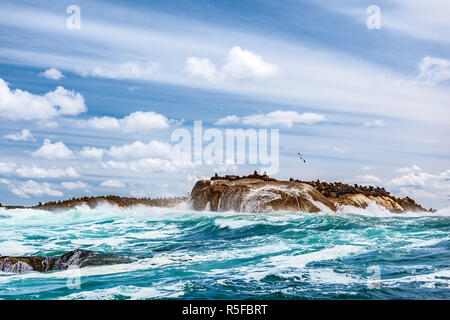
{"points": [[179, 253]]}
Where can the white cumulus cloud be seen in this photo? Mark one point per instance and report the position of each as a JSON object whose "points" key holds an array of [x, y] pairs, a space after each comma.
{"points": [[134, 122], [415, 182], [227, 120], [406, 170], [200, 67], [91, 153], [240, 64], [138, 149], [412, 179], [52, 74], [103, 123], [53, 151], [22, 105], [414, 176]]}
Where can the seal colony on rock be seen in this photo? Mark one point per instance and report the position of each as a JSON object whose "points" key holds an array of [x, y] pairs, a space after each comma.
{"points": [[260, 193]]}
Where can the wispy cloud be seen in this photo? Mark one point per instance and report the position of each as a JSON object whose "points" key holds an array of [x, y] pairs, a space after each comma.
{"points": [[275, 118], [128, 70], [113, 184], [434, 70], [24, 135], [74, 185], [32, 188], [414, 18], [37, 172], [321, 78], [374, 123], [368, 178], [7, 168]]}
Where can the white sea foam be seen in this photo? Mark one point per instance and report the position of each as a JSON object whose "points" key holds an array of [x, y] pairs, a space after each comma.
{"points": [[375, 210], [329, 276], [418, 243], [168, 232], [234, 223], [290, 265], [112, 242], [260, 247], [300, 261], [130, 292], [430, 280], [15, 248]]}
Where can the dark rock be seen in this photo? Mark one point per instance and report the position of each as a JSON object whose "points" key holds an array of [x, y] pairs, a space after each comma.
{"points": [[79, 257]]}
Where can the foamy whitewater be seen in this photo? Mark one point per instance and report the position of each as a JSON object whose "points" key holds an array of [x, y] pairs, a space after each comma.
{"points": [[183, 254]]}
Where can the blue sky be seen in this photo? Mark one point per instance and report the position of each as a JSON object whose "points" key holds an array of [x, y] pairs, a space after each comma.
{"points": [[82, 109]]}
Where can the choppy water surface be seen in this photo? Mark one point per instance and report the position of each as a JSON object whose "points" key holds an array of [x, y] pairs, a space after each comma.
{"points": [[182, 254]]}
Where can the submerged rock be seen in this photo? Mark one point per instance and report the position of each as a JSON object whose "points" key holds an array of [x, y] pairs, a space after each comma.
{"points": [[259, 193], [79, 257]]}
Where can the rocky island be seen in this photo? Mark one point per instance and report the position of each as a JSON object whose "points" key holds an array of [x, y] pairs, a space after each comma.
{"points": [[260, 193], [257, 193]]}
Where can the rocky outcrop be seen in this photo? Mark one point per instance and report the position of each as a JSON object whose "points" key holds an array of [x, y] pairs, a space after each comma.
{"points": [[250, 194], [80, 258], [122, 202], [259, 193], [361, 196]]}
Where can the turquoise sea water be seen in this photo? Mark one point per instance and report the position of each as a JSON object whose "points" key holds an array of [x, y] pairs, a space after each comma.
{"points": [[182, 254]]}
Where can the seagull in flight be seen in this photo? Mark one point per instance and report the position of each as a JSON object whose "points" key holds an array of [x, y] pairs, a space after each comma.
{"points": [[301, 158]]}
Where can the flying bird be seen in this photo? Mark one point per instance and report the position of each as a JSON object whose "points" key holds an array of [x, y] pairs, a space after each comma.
{"points": [[301, 158]]}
